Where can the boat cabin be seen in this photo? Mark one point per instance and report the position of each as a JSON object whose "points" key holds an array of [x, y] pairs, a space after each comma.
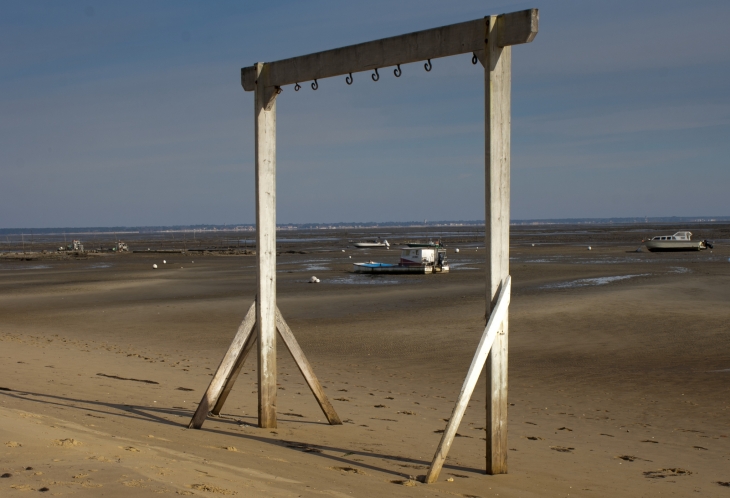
{"points": [[676, 236], [420, 256]]}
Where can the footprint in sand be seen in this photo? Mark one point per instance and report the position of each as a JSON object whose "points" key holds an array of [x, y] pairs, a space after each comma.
{"points": [[349, 470], [662, 473], [229, 448], [130, 448], [212, 489], [66, 443], [562, 449], [13, 444], [134, 483], [406, 482]]}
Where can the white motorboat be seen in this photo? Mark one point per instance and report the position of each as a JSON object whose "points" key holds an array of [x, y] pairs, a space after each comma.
{"points": [[374, 243], [680, 241]]}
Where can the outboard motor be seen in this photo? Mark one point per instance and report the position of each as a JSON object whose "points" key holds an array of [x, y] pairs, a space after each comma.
{"points": [[709, 244]]}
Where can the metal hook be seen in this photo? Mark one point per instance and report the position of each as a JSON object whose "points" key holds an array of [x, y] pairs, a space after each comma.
{"points": [[296, 87], [428, 66], [375, 76], [397, 72], [474, 58], [349, 79], [315, 85]]}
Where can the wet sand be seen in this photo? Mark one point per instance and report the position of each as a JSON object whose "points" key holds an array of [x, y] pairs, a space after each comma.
{"points": [[619, 372]]}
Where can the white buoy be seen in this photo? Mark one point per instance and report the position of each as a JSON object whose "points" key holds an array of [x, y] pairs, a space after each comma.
{"points": [[343, 250], [456, 250], [154, 266], [164, 262], [589, 248], [193, 261], [314, 280], [350, 257], [533, 245]]}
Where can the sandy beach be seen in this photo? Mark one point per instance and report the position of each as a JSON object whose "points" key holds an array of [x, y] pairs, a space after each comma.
{"points": [[619, 372]]}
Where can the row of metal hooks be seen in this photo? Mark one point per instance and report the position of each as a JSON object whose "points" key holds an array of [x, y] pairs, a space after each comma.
{"points": [[376, 76]]}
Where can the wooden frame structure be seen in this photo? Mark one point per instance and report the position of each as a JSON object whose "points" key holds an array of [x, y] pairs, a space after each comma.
{"points": [[490, 40]]}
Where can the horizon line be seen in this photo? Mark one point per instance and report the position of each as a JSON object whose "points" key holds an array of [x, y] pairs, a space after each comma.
{"points": [[372, 224]]}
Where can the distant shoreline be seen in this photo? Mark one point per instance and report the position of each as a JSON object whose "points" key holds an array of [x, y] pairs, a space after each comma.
{"points": [[350, 225]]}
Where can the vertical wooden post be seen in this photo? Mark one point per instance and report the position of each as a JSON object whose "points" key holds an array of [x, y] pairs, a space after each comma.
{"points": [[265, 113], [497, 83]]}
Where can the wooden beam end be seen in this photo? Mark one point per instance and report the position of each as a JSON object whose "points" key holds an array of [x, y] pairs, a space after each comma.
{"points": [[519, 27], [248, 78]]}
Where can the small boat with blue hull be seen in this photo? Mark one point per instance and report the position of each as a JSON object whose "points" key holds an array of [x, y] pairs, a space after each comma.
{"points": [[389, 268], [412, 260]]}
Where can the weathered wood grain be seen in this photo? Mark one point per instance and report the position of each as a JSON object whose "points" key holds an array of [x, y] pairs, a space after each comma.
{"points": [[454, 39], [306, 369], [265, 113], [497, 86], [224, 369], [472, 377], [247, 347]]}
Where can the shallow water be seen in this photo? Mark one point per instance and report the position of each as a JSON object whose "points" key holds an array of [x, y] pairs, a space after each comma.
{"points": [[584, 282], [357, 279], [25, 267]]}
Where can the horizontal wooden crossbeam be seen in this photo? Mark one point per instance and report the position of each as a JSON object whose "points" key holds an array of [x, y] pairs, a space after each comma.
{"points": [[512, 29]]}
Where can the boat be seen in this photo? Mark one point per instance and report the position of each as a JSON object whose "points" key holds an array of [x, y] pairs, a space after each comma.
{"points": [[430, 243], [374, 243], [412, 260], [680, 241]]}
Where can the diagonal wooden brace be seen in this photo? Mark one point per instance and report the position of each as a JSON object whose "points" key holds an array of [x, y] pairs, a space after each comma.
{"points": [[296, 351], [224, 370], [477, 364], [250, 343]]}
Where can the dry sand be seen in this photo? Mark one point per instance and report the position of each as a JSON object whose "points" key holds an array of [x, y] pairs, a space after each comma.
{"points": [[618, 386]]}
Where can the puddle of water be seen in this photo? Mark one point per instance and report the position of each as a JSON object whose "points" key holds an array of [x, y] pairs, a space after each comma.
{"points": [[25, 267], [315, 268], [679, 269], [584, 282], [362, 280], [101, 265], [462, 266]]}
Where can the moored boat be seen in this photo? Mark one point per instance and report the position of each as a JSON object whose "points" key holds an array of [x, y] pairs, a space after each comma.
{"points": [[680, 241], [412, 260], [374, 243]]}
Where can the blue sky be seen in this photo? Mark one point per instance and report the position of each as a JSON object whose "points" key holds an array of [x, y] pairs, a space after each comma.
{"points": [[132, 113]]}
